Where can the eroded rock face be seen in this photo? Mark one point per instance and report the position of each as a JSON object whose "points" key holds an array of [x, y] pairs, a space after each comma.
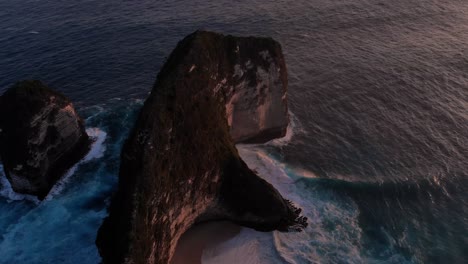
{"points": [[253, 79], [180, 166], [41, 136]]}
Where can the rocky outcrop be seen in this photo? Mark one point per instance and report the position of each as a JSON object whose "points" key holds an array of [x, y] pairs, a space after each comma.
{"points": [[180, 166], [41, 137]]}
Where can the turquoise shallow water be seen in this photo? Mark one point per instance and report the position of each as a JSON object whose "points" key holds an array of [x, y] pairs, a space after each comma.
{"points": [[378, 157]]}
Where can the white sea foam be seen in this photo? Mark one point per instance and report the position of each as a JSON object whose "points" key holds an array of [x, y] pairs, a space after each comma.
{"points": [[97, 151], [294, 128], [7, 191], [98, 148], [98, 111]]}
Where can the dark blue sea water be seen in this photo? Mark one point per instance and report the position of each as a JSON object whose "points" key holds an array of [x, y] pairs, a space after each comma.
{"points": [[378, 148]]}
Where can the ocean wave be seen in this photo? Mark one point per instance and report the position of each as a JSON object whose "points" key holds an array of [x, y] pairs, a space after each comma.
{"points": [[391, 189], [390, 212], [294, 128]]}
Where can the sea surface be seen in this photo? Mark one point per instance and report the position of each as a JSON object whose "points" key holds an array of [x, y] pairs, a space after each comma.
{"points": [[376, 153]]}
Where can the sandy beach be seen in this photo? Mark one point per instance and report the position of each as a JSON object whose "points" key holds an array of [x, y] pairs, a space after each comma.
{"points": [[191, 245]]}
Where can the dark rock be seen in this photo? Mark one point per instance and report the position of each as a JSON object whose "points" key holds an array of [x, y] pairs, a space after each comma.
{"points": [[253, 79], [41, 137], [180, 166]]}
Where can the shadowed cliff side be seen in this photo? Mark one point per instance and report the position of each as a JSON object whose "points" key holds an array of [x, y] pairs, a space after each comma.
{"points": [[179, 164], [41, 137]]}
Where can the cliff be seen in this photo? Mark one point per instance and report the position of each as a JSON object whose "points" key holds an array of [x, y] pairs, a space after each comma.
{"points": [[180, 166], [41, 137], [252, 77]]}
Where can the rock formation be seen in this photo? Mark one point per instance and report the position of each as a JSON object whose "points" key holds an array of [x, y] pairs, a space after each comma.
{"points": [[41, 137], [180, 166]]}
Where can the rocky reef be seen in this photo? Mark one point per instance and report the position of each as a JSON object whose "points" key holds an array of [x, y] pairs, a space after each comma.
{"points": [[41, 137], [180, 166]]}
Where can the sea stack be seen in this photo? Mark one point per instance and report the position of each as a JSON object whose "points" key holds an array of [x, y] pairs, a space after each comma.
{"points": [[180, 166], [41, 137]]}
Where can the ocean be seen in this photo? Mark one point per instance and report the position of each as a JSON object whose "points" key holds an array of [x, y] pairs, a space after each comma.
{"points": [[376, 152]]}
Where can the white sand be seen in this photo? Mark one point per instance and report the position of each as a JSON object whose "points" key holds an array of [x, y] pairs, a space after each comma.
{"points": [[190, 247]]}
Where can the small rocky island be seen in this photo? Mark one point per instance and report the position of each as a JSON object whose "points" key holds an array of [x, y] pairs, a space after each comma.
{"points": [[180, 166], [41, 137]]}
